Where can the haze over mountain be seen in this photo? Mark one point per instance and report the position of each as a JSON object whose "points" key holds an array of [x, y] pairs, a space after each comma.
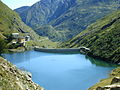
{"points": [[67, 17]]}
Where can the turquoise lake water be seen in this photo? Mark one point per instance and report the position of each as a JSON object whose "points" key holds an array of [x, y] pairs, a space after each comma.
{"points": [[61, 71]]}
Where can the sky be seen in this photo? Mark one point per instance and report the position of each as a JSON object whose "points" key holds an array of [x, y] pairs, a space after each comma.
{"points": [[13, 4]]}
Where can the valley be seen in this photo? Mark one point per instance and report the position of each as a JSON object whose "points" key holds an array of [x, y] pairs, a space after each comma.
{"points": [[58, 28], [61, 20]]}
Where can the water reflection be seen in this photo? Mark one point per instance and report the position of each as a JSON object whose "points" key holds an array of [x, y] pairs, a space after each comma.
{"points": [[98, 62], [23, 57], [18, 57]]}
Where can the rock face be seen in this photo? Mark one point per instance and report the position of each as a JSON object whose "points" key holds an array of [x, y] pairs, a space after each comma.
{"points": [[13, 79], [109, 87], [115, 80]]}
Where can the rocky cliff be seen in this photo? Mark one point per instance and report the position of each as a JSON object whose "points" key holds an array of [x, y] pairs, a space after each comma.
{"points": [[12, 78]]}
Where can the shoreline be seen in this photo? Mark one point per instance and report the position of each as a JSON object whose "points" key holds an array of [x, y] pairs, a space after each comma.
{"points": [[84, 51], [15, 78], [55, 50]]}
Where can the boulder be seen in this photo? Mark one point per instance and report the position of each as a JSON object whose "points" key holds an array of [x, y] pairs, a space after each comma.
{"points": [[109, 87], [115, 80]]}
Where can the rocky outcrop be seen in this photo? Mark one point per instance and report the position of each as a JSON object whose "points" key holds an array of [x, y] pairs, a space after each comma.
{"points": [[115, 80], [111, 83], [109, 87], [14, 79]]}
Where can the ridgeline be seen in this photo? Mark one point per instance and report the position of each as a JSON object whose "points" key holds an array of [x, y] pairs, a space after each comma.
{"points": [[61, 20], [102, 37]]}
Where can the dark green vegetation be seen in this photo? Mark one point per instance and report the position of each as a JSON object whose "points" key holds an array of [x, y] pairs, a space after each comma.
{"points": [[102, 37], [66, 17], [3, 45], [10, 22], [12, 78], [111, 83]]}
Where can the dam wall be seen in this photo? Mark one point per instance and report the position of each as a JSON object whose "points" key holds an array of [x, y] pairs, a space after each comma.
{"points": [[59, 50]]}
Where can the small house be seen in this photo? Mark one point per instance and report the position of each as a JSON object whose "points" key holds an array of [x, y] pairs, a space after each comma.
{"points": [[14, 41], [15, 35]]}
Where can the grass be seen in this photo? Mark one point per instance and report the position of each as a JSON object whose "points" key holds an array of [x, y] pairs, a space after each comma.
{"points": [[104, 82], [102, 37]]}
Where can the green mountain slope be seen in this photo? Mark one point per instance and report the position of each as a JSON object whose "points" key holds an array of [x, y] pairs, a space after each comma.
{"points": [[71, 16], [102, 37], [44, 11], [85, 12], [10, 22], [52, 33]]}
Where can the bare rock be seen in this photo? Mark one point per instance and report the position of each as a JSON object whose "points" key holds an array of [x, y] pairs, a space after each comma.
{"points": [[109, 87], [115, 80]]}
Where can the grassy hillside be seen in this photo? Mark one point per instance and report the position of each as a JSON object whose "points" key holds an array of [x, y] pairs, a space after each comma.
{"points": [[10, 22], [52, 33], [85, 12], [12, 78], [68, 16], [102, 37]]}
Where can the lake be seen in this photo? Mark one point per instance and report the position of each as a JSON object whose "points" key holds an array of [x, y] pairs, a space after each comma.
{"points": [[61, 71]]}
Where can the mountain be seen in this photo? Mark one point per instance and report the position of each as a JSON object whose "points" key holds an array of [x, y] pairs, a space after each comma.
{"points": [[101, 37], [21, 9], [44, 11], [52, 33], [68, 16], [10, 22]]}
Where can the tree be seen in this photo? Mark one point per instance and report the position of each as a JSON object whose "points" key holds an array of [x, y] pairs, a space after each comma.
{"points": [[3, 45]]}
